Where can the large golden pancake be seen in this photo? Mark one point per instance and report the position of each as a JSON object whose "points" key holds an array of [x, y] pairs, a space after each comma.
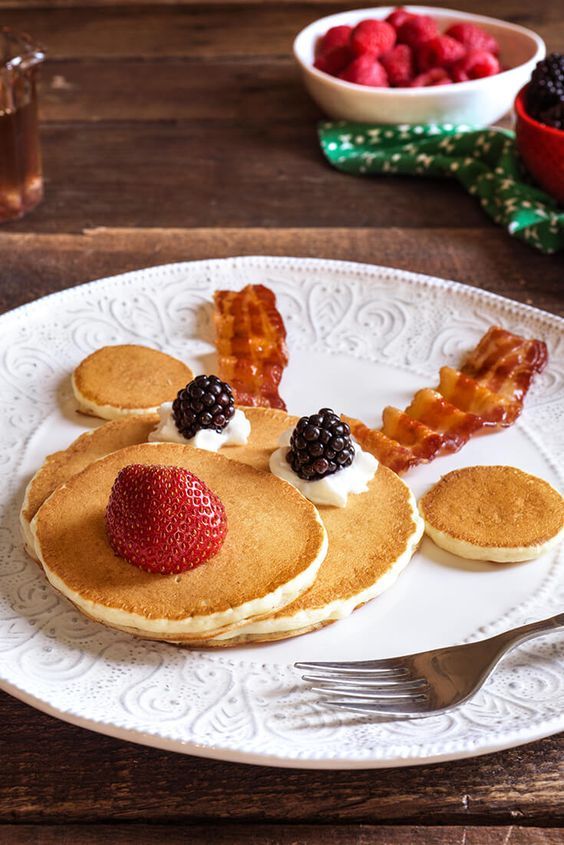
{"points": [[267, 424], [118, 380], [127, 431], [386, 531], [371, 541], [497, 513], [60, 466], [273, 549]]}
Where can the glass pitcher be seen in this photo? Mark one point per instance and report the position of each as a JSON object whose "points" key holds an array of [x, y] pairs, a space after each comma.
{"points": [[21, 180]]}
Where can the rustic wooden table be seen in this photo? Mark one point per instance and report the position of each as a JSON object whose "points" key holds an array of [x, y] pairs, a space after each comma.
{"points": [[180, 130]]}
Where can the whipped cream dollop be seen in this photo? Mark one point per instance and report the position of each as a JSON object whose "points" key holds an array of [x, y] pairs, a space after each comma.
{"points": [[235, 433], [333, 489]]}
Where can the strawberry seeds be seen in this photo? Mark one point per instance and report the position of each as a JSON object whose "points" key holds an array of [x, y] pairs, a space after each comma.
{"points": [[164, 519]]}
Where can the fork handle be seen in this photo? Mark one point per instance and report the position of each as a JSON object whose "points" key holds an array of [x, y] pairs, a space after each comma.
{"points": [[509, 639]]}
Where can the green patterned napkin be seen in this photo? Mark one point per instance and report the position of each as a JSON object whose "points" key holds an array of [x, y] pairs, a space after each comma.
{"points": [[484, 161]]}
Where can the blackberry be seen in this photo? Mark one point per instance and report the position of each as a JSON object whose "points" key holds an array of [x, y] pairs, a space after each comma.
{"points": [[320, 445], [554, 116], [207, 402], [546, 90]]}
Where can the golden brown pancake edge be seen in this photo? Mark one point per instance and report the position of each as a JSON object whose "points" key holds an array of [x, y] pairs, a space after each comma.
{"points": [[494, 506], [285, 527], [127, 378]]}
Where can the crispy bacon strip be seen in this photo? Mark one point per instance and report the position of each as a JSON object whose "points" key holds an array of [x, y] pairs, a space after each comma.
{"points": [[470, 396], [487, 393], [251, 344], [493, 346], [423, 442], [454, 425], [506, 363], [389, 452]]}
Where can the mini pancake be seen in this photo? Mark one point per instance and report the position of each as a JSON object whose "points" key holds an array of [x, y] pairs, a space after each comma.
{"points": [[371, 541], [496, 513], [116, 381], [274, 546], [86, 449]]}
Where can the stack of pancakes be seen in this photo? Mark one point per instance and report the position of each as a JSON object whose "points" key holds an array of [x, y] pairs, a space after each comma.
{"points": [[286, 567]]}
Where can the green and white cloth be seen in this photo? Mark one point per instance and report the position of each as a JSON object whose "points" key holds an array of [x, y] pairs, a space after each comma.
{"points": [[484, 161]]}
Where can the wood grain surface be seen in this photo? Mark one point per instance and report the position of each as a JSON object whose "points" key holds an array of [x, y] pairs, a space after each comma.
{"points": [[35, 264], [180, 130], [58, 773], [263, 834]]}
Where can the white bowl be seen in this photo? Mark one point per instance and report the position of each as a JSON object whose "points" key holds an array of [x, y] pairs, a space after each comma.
{"points": [[479, 102]]}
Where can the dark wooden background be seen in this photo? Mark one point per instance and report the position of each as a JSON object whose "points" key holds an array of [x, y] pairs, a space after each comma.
{"points": [[180, 130]]}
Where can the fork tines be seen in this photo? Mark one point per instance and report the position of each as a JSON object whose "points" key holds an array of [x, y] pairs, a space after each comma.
{"points": [[375, 686]]}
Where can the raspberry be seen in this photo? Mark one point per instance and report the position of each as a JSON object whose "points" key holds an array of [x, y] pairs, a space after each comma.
{"points": [[372, 37], [334, 61], [398, 64], [435, 76], [207, 402], [475, 65], [364, 70], [337, 36], [473, 37], [441, 51], [164, 519], [320, 445], [417, 29], [398, 17]]}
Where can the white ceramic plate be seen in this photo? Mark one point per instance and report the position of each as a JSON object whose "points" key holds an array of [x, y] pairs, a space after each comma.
{"points": [[359, 337]]}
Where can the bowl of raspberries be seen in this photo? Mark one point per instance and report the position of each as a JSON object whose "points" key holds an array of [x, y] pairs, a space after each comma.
{"points": [[539, 107], [416, 64]]}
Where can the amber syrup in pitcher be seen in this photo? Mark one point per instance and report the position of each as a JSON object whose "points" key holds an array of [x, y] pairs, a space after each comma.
{"points": [[21, 182]]}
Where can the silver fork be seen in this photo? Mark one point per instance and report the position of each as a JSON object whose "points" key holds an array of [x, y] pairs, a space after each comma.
{"points": [[420, 684]]}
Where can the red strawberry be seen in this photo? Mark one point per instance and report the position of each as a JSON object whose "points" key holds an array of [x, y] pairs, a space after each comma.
{"points": [[337, 36], [372, 37], [435, 76], [475, 65], [399, 16], [441, 51], [473, 37], [365, 70], [398, 64], [334, 61], [164, 519], [417, 29]]}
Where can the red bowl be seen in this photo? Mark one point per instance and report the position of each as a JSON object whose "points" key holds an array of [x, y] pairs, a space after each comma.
{"points": [[541, 148]]}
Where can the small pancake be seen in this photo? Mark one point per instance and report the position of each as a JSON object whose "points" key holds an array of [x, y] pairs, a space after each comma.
{"points": [[371, 541], [274, 546], [118, 380], [496, 513], [86, 449]]}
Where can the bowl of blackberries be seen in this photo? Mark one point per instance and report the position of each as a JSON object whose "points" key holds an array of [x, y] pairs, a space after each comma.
{"points": [[540, 125]]}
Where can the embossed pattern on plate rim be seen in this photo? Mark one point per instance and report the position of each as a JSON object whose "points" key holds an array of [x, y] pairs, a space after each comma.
{"points": [[401, 753]]}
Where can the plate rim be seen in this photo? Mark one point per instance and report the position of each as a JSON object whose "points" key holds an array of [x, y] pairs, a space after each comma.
{"points": [[546, 727], [230, 755], [338, 264]]}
